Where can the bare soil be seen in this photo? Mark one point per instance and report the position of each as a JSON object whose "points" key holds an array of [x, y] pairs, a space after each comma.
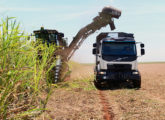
{"points": [[81, 70], [77, 99]]}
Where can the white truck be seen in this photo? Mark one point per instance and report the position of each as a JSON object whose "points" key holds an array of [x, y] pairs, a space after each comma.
{"points": [[116, 58]]}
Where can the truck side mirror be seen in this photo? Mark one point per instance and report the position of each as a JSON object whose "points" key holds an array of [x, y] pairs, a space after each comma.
{"points": [[142, 45], [95, 51], [142, 51], [94, 45]]}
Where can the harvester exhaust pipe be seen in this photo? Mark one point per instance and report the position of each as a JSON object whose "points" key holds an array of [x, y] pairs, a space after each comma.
{"points": [[104, 18]]}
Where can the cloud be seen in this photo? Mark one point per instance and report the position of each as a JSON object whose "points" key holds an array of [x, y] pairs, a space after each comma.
{"points": [[145, 10], [36, 9], [70, 16], [15, 9], [4, 10]]}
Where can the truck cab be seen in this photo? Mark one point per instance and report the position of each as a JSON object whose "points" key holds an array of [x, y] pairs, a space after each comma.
{"points": [[116, 58]]}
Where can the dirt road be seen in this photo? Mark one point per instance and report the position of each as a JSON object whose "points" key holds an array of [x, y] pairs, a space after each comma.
{"points": [[78, 99]]}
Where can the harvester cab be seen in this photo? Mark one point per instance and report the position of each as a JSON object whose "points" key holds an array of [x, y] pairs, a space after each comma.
{"points": [[50, 37]]}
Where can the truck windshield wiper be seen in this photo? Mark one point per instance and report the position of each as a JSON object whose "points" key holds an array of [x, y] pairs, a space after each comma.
{"points": [[119, 59]]}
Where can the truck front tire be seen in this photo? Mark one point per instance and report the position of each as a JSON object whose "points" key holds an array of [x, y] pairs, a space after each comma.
{"points": [[98, 84], [137, 83]]}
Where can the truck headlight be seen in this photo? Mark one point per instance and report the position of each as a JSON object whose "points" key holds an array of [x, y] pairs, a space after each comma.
{"points": [[135, 73], [105, 77], [102, 73]]}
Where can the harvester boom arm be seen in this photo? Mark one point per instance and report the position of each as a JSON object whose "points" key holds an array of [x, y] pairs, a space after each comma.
{"points": [[103, 19]]}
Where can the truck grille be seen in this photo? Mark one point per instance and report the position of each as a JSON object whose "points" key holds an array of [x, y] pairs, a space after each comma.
{"points": [[119, 67]]}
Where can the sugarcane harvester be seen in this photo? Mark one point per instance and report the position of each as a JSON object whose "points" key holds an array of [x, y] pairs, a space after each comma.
{"points": [[105, 17]]}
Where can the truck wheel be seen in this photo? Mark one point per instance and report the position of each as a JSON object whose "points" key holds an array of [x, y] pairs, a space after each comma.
{"points": [[98, 85], [137, 83]]}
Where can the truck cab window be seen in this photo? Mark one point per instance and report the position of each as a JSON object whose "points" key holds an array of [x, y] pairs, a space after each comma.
{"points": [[116, 48]]}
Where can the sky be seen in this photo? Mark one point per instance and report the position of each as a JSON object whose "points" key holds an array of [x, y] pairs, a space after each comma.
{"points": [[144, 18]]}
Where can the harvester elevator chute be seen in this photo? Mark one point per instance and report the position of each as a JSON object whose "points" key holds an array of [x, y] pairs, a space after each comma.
{"points": [[104, 18]]}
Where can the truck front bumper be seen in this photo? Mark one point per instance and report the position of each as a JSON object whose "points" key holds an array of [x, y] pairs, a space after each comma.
{"points": [[121, 76]]}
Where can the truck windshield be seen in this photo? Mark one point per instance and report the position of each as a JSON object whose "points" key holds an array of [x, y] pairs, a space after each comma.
{"points": [[119, 48]]}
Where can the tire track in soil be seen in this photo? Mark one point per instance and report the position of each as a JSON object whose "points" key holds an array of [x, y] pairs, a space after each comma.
{"points": [[107, 110], [108, 114]]}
